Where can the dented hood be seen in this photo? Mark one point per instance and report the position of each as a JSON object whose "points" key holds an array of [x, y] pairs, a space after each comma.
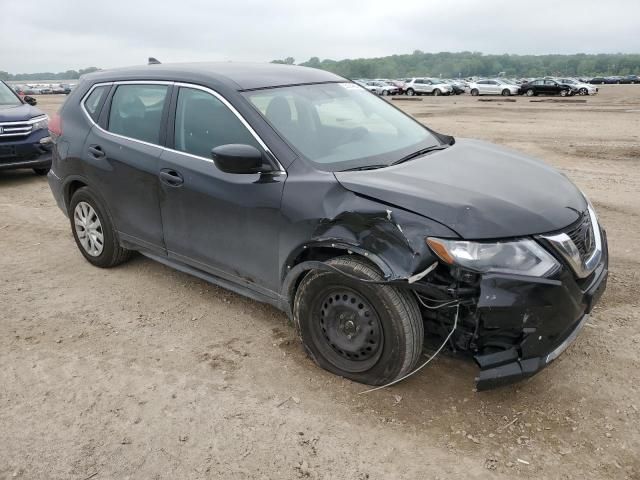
{"points": [[477, 189]]}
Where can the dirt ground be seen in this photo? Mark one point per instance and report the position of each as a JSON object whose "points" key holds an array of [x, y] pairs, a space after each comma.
{"points": [[143, 372]]}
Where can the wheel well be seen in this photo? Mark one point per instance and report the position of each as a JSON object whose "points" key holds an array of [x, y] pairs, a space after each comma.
{"points": [[321, 254], [72, 188]]}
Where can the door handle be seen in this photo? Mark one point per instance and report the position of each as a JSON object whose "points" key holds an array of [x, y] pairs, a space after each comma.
{"points": [[171, 177], [96, 151]]}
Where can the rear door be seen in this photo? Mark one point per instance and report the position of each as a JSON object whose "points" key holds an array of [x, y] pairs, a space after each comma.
{"points": [[122, 153], [225, 224]]}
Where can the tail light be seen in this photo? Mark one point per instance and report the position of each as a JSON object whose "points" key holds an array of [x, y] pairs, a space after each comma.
{"points": [[55, 126]]}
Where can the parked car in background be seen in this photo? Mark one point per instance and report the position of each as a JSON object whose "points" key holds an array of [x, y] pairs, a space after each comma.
{"points": [[493, 87], [423, 86], [632, 79], [458, 87], [547, 86], [581, 87], [58, 89], [381, 88], [405, 233], [24, 137]]}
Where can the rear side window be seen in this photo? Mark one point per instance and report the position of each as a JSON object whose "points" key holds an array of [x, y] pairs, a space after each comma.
{"points": [[94, 101], [203, 122], [136, 111]]}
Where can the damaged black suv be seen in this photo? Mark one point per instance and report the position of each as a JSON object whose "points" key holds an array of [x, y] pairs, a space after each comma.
{"points": [[299, 188]]}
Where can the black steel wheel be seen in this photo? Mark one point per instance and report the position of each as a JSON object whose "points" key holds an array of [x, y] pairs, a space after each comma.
{"points": [[366, 332]]}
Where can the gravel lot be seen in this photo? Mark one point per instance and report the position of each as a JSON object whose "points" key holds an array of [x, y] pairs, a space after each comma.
{"points": [[144, 372]]}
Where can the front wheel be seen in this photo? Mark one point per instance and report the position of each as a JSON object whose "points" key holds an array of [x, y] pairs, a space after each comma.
{"points": [[583, 91], [437, 92], [411, 92], [530, 93], [385, 93], [93, 230], [475, 92], [564, 93], [368, 333], [506, 92]]}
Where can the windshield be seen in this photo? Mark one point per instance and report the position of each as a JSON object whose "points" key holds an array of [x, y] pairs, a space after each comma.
{"points": [[7, 97], [340, 126]]}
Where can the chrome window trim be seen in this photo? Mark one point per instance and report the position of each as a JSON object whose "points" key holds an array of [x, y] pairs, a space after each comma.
{"points": [[279, 171], [563, 244]]}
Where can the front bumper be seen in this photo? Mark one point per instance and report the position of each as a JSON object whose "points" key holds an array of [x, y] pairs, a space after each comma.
{"points": [[548, 314], [25, 152]]}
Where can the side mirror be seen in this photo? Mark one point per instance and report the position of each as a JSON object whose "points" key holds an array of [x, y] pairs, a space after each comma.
{"points": [[237, 158], [30, 100]]}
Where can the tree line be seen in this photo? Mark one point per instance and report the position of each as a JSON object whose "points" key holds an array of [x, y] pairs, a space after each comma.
{"points": [[68, 75], [468, 64]]}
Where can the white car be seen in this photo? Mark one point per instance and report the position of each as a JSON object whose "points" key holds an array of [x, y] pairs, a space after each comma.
{"points": [[434, 86], [583, 88], [493, 86], [381, 88]]}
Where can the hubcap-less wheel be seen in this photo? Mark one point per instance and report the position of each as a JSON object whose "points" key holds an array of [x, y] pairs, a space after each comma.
{"points": [[348, 329], [88, 229]]}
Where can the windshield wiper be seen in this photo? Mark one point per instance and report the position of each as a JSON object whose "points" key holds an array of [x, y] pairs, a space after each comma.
{"points": [[365, 167], [420, 152]]}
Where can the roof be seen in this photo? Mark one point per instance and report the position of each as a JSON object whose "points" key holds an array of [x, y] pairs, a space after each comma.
{"points": [[241, 76]]}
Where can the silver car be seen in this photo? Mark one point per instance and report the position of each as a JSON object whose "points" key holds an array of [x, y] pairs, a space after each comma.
{"points": [[421, 86], [493, 86], [583, 88]]}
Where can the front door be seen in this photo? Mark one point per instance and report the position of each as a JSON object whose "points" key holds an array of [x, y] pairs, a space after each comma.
{"points": [[225, 224]]}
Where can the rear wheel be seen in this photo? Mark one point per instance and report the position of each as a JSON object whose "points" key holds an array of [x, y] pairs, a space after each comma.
{"points": [[93, 230], [369, 333], [41, 171]]}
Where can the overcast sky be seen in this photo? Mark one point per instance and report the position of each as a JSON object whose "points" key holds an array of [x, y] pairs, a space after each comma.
{"points": [[44, 35]]}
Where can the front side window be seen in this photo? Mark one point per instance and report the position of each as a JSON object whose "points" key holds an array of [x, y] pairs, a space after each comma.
{"points": [[8, 98], [339, 126], [136, 111], [203, 123], [92, 102]]}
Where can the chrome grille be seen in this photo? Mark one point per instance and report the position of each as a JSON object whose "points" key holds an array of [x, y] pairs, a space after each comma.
{"points": [[582, 236], [15, 129]]}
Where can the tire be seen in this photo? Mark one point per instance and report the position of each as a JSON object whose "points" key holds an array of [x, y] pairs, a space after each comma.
{"points": [[411, 92], [530, 92], [86, 205], [475, 92], [564, 93], [583, 91], [385, 93], [41, 171], [506, 92], [437, 92], [371, 334]]}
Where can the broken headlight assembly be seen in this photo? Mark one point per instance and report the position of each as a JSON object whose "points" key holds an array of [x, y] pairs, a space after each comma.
{"points": [[520, 257]]}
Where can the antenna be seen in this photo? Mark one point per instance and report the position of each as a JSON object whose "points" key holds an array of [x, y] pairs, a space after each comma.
{"points": [[153, 61]]}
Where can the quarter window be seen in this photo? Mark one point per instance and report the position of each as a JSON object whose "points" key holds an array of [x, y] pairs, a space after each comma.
{"points": [[136, 111], [203, 123], [94, 100]]}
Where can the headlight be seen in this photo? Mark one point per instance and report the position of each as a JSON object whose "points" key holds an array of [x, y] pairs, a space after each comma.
{"points": [[522, 257], [40, 123]]}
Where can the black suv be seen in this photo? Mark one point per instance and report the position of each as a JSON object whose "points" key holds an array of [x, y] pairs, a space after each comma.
{"points": [[24, 138], [299, 188]]}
